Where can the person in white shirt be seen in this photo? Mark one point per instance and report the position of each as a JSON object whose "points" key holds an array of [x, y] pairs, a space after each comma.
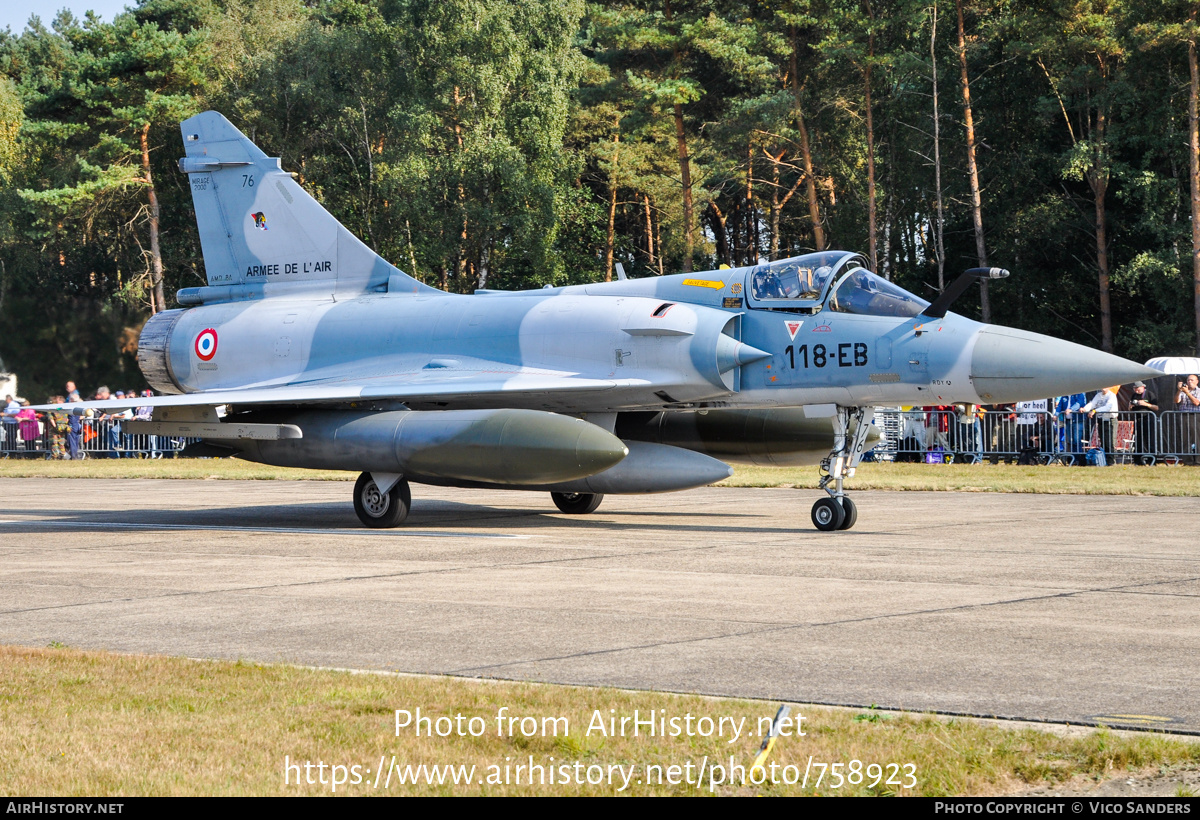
{"points": [[1103, 408], [12, 407]]}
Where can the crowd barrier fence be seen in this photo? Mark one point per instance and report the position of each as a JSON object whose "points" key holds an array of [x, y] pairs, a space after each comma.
{"points": [[100, 438], [1132, 437], [935, 436]]}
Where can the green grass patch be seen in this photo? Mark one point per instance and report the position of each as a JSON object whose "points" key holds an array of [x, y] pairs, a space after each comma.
{"points": [[188, 468], [89, 723], [1160, 480]]}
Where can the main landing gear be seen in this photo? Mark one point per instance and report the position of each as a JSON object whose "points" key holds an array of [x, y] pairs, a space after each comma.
{"points": [[838, 512], [577, 503], [381, 500]]}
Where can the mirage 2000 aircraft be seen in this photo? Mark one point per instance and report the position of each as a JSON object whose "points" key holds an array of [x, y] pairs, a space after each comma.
{"points": [[306, 349]]}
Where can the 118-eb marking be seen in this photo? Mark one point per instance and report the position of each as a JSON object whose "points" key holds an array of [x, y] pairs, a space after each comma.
{"points": [[848, 354]]}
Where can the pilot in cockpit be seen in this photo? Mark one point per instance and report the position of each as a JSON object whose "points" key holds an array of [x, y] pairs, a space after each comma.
{"points": [[766, 286]]}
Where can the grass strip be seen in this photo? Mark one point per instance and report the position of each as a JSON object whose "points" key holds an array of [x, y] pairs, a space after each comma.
{"points": [[1159, 480], [92, 723]]}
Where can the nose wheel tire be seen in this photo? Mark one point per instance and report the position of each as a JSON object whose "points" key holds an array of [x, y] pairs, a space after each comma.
{"points": [[827, 515], [381, 510], [851, 512], [577, 503]]}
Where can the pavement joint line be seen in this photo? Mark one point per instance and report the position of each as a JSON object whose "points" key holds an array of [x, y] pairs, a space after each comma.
{"points": [[786, 534], [280, 530], [440, 570], [508, 536], [815, 625]]}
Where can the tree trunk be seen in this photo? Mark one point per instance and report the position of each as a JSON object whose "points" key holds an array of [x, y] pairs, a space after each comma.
{"points": [[658, 241], [751, 217], [685, 176], [460, 257], [159, 301], [612, 209], [685, 167], [1098, 179], [777, 204], [872, 240], [775, 207], [973, 169], [937, 161], [484, 255], [719, 233], [649, 231], [412, 253], [1194, 157], [814, 207]]}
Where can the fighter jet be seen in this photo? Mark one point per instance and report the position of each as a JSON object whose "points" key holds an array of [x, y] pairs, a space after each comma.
{"points": [[307, 349]]}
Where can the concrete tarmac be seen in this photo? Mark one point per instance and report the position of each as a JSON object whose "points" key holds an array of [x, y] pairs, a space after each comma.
{"points": [[1059, 608]]}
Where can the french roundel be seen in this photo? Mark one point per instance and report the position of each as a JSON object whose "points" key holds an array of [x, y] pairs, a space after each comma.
{"points": [[206, 344]]}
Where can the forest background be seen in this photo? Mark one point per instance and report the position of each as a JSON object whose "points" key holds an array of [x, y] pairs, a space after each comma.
{"points": [[481, 143]]}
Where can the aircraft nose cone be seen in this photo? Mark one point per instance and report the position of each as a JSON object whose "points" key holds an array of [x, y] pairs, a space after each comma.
{"points": [[1015, 365]]}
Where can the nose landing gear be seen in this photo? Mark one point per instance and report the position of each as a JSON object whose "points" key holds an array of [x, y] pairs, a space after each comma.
{"points": [[850, 427]]}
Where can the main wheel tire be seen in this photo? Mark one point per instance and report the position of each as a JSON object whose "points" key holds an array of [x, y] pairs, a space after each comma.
{"points": [[381, 510], [577, 503], [851, 512], [827, 515]]}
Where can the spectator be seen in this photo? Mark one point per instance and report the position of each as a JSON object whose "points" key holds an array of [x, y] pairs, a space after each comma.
{"points": [[1103, 407], [1003, 434], [970, 442], [12, 408], [1187, 400], [56, 425], [937, 426], [117, 439], [74, 429], [31, 430], [113, 434], [1031, 429], [146, 413], [1143, 402], [1067, 408]]}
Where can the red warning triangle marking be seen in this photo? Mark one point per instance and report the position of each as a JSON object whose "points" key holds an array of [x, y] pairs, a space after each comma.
{"points": [[792, 327]]}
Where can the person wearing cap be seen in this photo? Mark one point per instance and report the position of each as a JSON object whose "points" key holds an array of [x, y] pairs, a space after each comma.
{"points": [[117, 440], [56, 426], [74, 429], [1143, 402]]}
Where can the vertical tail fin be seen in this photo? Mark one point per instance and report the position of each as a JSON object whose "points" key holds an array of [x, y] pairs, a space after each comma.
{"points": [[261, 233]]}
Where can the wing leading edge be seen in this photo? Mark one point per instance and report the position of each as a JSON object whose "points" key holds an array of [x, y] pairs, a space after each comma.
{"points": [[402, 388]]}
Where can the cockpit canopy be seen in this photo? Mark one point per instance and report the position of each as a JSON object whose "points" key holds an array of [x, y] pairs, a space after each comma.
{"points": [[801, 279], [836, 280], [864, 293]]}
